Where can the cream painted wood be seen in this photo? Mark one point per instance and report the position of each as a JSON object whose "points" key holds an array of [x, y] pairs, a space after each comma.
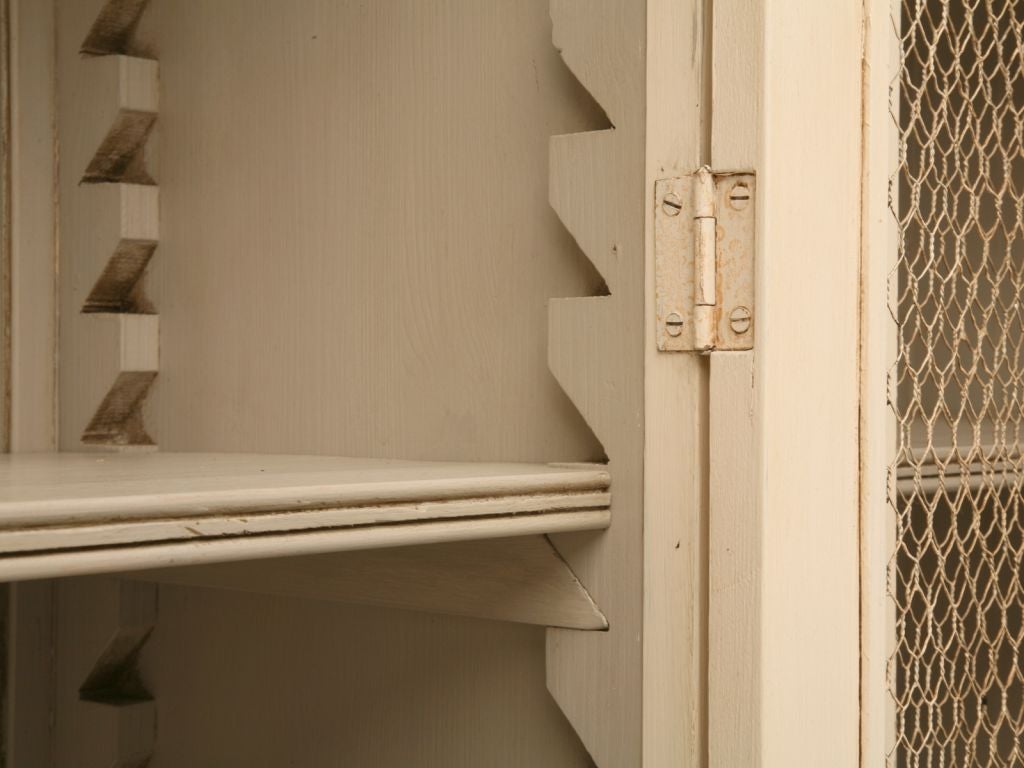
{"points": [[91, 614], [29, 704], [320, 157], [513, 511], [120, 89], [312, 160], [6, 241], [675, 436], [29, 689], [520, 579], [106, 361], [806, 382], [354, 215], [52, 489], [596, 351], [736, 618], [737, 83], [33, 251], [225, 549], [287, 680], [878, 438], [105, 107], [78, 513]]}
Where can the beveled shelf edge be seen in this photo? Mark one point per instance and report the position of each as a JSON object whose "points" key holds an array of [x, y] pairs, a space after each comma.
{"points": [[77, 562]]}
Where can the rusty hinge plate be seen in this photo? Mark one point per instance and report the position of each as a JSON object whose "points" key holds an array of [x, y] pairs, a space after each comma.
{"points": [[704, 261]]}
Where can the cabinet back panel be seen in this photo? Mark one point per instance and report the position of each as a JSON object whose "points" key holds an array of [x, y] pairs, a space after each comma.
{"points": [[388, 688], [356, 244]]}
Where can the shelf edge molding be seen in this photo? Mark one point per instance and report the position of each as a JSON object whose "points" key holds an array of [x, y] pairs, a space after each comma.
{"points": [[64, 514]]}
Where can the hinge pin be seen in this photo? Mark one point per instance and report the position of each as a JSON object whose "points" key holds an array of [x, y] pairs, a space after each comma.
{"points": [[705, 283]]}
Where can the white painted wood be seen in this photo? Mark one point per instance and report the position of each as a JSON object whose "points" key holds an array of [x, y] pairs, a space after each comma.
{"points": [[878, 438], [675, 436], [596, 352], [521, 579]]}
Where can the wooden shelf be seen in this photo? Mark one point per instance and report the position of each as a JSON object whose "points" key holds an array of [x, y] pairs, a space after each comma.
{"points": [[64, 514]]}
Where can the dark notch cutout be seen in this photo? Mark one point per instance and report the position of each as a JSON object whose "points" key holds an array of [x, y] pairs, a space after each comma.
{"points": [[118, 420], [121, 155], [115, 679], [113, 29], [119, 288], [591, 115]]}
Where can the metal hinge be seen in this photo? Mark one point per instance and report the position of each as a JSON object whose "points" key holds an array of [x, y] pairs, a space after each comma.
{"points": [[704, 261]]}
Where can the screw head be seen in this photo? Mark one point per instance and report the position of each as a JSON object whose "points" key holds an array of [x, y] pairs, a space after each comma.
{"points": [[671, 204], [740, 320], [739, 196], [674, 324]]}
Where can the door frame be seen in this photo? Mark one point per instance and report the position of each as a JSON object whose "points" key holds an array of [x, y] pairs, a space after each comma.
{"points": [[787, 98]]}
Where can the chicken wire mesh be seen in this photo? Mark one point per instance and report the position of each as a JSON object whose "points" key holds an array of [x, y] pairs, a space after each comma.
{"points": [[956, 675]]}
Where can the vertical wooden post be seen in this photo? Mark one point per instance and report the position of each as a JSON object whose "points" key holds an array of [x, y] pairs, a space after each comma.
{"points": [[803, 59], [109, 212], [675, 436], [878, 353], [735, 537], [596, 352], [29, 359]]}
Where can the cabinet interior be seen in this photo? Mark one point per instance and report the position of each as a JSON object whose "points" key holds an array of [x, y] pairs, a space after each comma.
{"points": [[293, 232]]}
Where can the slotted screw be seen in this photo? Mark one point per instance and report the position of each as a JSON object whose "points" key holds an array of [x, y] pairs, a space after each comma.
{"points": [[739, 196], [739, 320], [671, 205]]}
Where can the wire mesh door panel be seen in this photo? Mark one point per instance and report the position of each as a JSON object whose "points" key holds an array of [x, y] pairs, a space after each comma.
{"points": [[956, 673]]}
